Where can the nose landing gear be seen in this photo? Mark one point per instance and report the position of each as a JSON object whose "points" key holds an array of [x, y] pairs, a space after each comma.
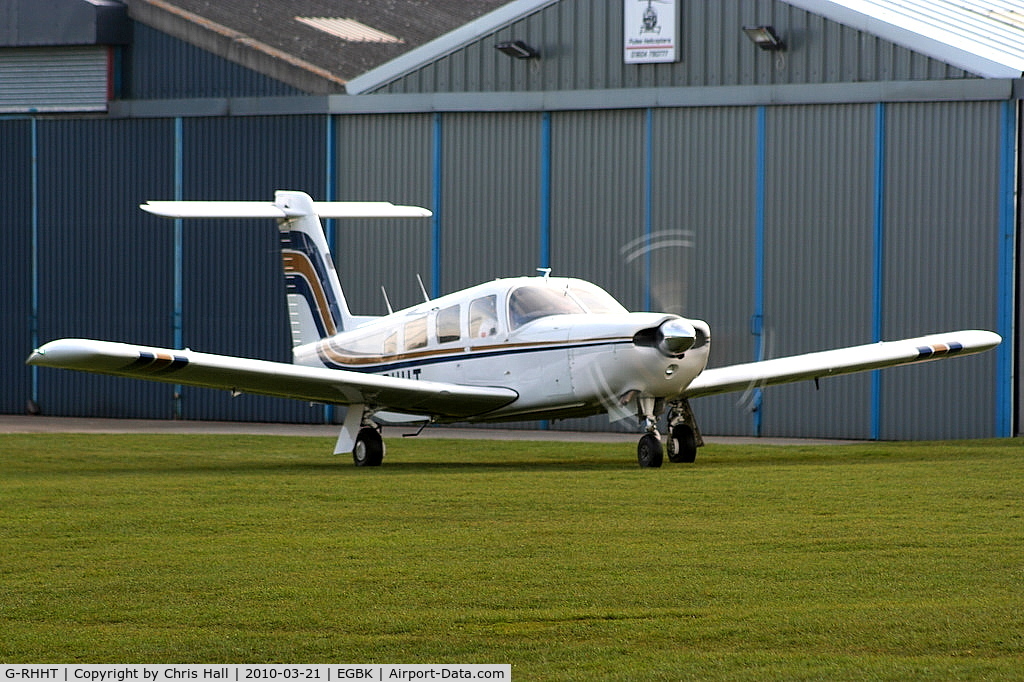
{"points": [[684, 436]]}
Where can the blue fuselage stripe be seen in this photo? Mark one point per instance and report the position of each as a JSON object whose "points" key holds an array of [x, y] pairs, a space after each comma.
{"points": [[462, 356]]}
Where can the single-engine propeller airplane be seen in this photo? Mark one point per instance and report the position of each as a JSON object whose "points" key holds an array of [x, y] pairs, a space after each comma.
{"points": [[512, 349]]}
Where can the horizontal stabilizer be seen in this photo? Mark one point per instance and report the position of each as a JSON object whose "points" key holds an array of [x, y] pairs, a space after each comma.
{"points": [[841, 361], [267, 209]]}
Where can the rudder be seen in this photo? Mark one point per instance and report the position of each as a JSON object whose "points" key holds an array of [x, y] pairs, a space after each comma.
{"points": [[316, 304]]}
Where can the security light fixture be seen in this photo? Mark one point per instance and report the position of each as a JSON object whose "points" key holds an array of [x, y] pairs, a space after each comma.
{"points": [[764, 37], [517, 49]]}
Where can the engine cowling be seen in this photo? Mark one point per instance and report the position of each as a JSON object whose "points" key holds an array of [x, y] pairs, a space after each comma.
{"points": [[673, 337]]}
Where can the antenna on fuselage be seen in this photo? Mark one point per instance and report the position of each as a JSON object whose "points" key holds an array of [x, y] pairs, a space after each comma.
{"points": [[386, 299], [423, 289], [546, 271]]}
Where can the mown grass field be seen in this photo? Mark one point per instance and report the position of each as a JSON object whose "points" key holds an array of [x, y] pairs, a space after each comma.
{"points": [[865, 561]]}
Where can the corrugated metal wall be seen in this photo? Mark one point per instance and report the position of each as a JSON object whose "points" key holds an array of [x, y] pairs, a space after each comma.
{"points": [[580, 42], [491, 188], [787, 228], [752, 218], [100, 275], [233, 289], [162, 67], [16, 323], [941, 253], [818, 260], [598, 199], [704, 175], [384, 158], [680, 187]]}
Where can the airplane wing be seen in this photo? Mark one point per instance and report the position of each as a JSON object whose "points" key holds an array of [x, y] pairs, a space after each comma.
{"points": [[315, 384], [840, 361]]}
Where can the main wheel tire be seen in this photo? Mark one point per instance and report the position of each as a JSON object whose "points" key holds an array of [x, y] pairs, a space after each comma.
{"points": [[369, 449], [648, 451], [682, 444]]}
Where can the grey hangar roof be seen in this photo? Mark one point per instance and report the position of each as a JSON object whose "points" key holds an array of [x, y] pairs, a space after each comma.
{"points": [[356, 46]]}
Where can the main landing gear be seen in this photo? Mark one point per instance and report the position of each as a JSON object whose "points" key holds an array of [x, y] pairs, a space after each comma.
{"points": [[361, 436], [369, 448], [683, 435]]}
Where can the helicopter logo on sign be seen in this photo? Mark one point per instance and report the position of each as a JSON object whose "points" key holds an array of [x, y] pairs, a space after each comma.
{"points": [[649, 31], [650, 19]]}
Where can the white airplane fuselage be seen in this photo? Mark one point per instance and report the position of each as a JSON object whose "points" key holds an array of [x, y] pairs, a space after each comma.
{"points": [[564, 345]]}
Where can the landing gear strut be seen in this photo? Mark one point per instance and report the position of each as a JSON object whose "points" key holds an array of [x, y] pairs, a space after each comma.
{"points": [[648, 450], [683, 435], [360, 435]]}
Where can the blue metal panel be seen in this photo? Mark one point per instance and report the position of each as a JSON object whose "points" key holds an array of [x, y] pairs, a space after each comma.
{"points": [[757, 318], [233, 289], [104, 265], [162, 67], [545, 191], [878, 267], [1006, 277], [16, 324]]}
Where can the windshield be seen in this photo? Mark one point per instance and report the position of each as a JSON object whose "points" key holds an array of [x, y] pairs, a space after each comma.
{"points": [[529, 303], [595, 299]]}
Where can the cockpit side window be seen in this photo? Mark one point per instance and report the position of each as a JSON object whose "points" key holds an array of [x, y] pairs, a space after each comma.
{"points": [[529, 303], [483, 317], [447, 325]]}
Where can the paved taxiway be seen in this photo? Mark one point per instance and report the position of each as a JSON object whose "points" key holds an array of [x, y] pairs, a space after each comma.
{"points": [[41, 424]]}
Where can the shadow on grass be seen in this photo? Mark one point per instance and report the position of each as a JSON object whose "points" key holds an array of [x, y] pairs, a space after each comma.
{"points": [[226, 455]]}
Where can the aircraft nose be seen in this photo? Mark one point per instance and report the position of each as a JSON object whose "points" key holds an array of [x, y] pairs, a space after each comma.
{"points": [[676, 337]]}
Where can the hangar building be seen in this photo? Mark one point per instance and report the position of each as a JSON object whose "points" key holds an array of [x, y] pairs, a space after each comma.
{"points": [[852, 177]]}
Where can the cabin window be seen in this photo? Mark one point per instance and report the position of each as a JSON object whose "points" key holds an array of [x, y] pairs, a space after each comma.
{"points": [[447, 325], [416, 333], [390, 345], [529, 303], [483, 317]]}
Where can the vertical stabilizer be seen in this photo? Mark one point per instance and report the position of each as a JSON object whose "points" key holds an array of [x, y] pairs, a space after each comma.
{"points": [[316, 304]]}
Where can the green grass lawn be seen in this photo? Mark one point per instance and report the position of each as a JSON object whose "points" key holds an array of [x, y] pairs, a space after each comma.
{"points": [[865, 561]]}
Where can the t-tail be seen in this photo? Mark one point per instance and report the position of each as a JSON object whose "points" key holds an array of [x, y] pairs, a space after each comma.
{"points": [[316, 304]]}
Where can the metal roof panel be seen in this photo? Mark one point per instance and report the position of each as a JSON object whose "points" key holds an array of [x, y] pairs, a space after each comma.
{"points": [[985, 37]]}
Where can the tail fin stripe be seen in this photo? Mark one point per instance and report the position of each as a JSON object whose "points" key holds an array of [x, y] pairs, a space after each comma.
{"points": [[306, 275], [310, 290]]}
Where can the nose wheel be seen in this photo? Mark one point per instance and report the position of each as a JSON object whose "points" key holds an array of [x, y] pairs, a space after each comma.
{"points": [[648, 451], [683, 435]]}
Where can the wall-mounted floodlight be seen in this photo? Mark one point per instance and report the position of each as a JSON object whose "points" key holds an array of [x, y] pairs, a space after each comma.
{"points": [[764, 37], [517, 49]]}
